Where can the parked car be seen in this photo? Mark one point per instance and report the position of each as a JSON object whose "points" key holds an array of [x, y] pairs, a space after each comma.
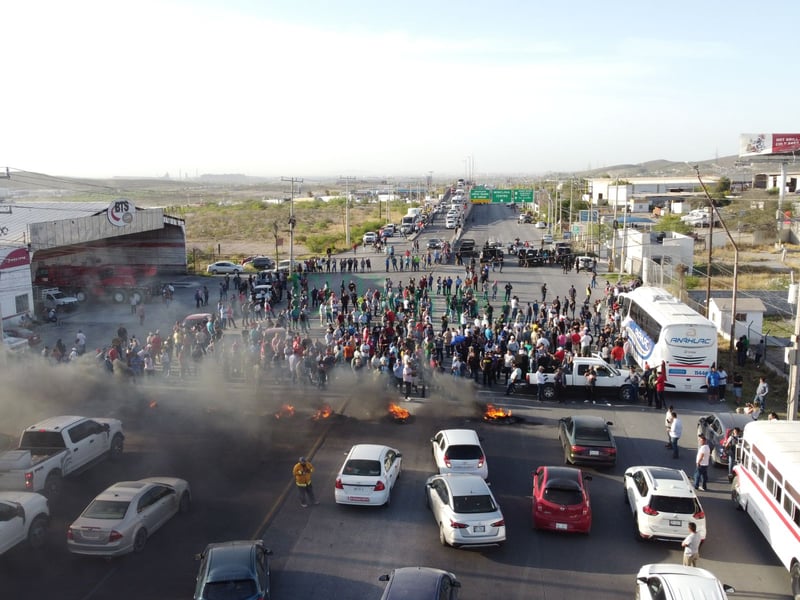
{"points": [[717, 427], [259, 263], [121, 518], [237, 570], [459, 451], [465, 510], [370, 237], [541, 225], [587, 440], [193, 320], [224, 267], [662, 502], [560, 500], [13, 344], [23, 333], [676, 582], [368, 475], [434, 244], [420, 583], [547, 238]]}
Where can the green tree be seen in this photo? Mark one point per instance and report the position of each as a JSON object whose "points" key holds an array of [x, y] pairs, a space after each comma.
{"points": [[673, 222]]}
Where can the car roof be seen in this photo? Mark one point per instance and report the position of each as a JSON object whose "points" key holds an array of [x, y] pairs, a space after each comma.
{"points": [[55, 423], [589, 421], [730, 420], [668, 482], [461, 436], [416, 582], [368, 451], [563, 474], [685, 582], [124, 490], [231, 560], [463, 484]]}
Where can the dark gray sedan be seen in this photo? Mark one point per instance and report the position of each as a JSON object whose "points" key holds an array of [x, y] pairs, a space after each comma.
{"points": [[420, 583]]}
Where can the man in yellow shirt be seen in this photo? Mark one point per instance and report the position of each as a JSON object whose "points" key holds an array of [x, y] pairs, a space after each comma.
{"points": [[302, 478]]}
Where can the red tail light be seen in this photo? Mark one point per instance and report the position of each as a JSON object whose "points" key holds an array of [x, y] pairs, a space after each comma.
{"points": [[499, 523], [611, 451], [457, 525], [649, 511], [339, 485], [379, 487], [577, 449], [114, 536], [447, 461], [699, 515], [70, 535], [29, 480], [481, 460]]}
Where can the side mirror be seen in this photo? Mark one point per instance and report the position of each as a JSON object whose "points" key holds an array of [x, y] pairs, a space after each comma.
{"points": [[628, 474], [729, 589], [457, 584], [198, 556], [610, 423], [106, 427], [399, 455], [384, 577], [587, 477]]}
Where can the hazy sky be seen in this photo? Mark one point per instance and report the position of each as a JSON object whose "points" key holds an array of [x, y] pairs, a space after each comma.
{"points": [[298, 87]]}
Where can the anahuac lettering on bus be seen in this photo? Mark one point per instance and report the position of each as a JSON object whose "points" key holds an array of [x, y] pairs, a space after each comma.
{"points": [[695, 341]]}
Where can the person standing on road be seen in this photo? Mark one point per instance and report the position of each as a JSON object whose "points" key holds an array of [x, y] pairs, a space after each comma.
{"points": [[516, 375], [731, 444], [723, 383], [591, 382], [712, 381], [302, 478], [675, 431], [691, 546], [544, 292], [540, 379], [761, 393], [701, 463], [661, 385], [738, 386]]}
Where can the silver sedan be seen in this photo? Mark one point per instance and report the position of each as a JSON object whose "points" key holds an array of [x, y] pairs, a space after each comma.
{"points": [[121, 518]]}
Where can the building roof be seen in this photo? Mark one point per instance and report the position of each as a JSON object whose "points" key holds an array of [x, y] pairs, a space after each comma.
{"points": [[15, 217], [742, 304]]}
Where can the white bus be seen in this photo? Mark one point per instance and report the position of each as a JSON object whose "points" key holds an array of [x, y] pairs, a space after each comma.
{"points": [[662, 329], [766, 485]]}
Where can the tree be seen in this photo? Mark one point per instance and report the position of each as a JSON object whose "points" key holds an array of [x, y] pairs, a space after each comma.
{"points": [[673, 222]]}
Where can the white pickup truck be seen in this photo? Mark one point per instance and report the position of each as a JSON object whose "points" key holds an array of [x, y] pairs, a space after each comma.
{"points": [[55, 448], [608, 378], [23, 517]]}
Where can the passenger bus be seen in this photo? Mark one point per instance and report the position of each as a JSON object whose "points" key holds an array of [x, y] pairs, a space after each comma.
{"points": [[662, 329], [766, 485]]}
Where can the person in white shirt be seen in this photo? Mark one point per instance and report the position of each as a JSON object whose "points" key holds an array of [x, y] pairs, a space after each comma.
{"points": [[675, 431], [691, 546], [701, 463]]}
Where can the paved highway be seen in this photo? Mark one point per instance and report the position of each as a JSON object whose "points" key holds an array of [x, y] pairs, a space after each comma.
{"points": [[225, 439]]}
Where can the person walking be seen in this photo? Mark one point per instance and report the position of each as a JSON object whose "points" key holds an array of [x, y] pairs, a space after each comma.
{"points": [[302, 479], [675, 431], [761, 393], [730, 445], [661, 386], [691, 546], [516, 375], [701, 463]]}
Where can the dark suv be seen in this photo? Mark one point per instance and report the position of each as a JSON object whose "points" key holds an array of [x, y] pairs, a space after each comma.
{"points": [[233, 570]]}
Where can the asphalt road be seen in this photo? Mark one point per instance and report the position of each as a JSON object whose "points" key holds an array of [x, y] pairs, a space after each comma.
{"points": [[225, 439]]}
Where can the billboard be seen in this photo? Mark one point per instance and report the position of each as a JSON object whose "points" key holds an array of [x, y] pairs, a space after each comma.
{"points": [[761, 144]]}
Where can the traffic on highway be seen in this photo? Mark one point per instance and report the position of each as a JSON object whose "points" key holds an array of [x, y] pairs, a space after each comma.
{"points": [[425, 459]]}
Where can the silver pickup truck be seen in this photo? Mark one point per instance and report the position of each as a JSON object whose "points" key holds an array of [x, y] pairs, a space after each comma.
{"points": [[55, 448]]}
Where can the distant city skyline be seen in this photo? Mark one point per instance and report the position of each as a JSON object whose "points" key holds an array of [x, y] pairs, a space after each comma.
{"points": [[356, 88]]}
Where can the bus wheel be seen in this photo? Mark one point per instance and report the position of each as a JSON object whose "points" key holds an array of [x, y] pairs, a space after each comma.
{"points": [[735, 492], [794, 575]]}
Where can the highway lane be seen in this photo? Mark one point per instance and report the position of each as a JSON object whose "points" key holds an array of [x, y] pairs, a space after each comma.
{"points": [[225, 440]]}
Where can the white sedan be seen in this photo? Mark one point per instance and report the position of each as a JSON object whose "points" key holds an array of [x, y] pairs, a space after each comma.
{"points": [[541, 225], [465, 511], [370, 238], [224, 266], [121, 518], [368, 475]]}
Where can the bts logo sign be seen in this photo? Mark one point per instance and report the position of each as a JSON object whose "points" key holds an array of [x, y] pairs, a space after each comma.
{"points": [[120, 212]]}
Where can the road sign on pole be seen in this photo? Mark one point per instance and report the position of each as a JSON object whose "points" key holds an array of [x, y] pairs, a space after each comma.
{"points": [[501, 196], [523, 195]]}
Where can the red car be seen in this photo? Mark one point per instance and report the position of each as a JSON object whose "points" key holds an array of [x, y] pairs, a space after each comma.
{"points": [[561, 500]]}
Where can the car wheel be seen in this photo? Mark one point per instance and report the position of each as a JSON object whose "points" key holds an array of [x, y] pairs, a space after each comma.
{"points": [[117, 446], [37, 532], [549, 392], [52, 486], [139, 540], [442, 538], [213, 271], [626, 393], [185, 504]]}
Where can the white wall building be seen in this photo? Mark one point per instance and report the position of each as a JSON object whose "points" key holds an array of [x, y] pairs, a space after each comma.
{"points": [[749, 316], [16, 290]]}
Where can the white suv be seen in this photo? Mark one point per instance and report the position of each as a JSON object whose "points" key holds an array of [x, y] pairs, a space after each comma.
{"points": [[663, 503], [672, 582], [459, 451]]}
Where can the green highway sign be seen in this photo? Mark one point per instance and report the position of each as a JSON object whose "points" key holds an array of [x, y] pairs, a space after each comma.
{"points": [[480, 194], [523, 195], [501, 196]]}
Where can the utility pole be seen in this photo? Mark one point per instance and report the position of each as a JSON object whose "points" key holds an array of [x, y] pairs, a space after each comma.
{"points": [[292, 222], [346, 181]]}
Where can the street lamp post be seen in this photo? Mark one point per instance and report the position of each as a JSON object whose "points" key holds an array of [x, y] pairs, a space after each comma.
{"points": [[346, 181], [292, 222]]}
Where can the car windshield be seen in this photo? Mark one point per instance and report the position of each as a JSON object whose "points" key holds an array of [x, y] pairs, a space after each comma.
{"points": [[671, 504], [473, 504], [239, 589], [599, 434], [563, 496], [371, 468], [464, 452], [106, 509]]}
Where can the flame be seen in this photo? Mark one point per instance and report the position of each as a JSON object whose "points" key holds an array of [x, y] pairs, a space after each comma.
{"points": [[493, 412], [322, 413], [287, 410], [398, 412]]}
